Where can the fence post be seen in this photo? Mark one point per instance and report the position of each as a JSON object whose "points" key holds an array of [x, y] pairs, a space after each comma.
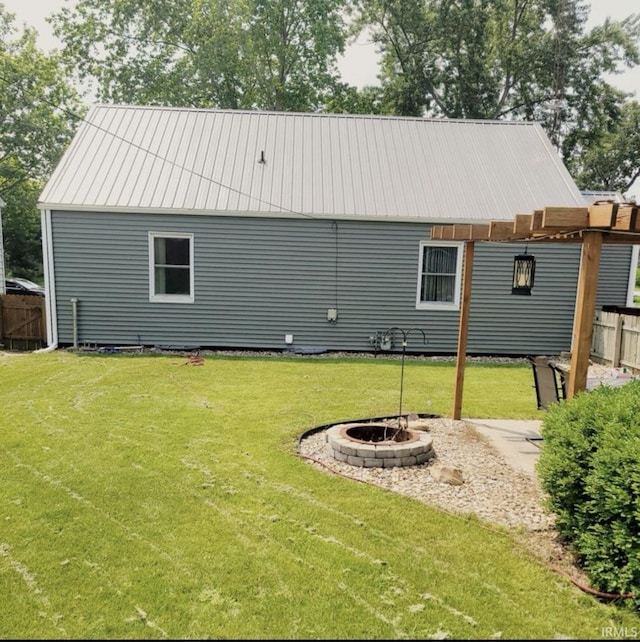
{"points": [[617, 344]]}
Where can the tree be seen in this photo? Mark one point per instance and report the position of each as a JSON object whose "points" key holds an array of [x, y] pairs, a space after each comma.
{"points": [[39, 115], [464, 59], [347, 99], [21, 231], [243, 54], [611, 161], [517, 59]]}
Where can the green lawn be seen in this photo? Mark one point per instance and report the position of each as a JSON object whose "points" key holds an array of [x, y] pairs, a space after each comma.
{"points": [[143, 498]]}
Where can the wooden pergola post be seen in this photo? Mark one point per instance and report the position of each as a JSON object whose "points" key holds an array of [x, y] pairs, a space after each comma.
{"points": [[585, 310], [463, 327]]}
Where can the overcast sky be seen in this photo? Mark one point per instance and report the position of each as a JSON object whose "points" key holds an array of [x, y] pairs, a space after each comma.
{"points": [[359, 65]]}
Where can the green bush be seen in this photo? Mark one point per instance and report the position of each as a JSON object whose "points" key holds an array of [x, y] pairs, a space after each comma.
{"points": [[589, 468]]}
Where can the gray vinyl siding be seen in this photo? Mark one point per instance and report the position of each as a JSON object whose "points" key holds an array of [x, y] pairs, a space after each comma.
{"points": [[258, 279]]}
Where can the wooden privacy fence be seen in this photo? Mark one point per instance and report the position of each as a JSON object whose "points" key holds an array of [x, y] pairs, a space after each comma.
{"points": [[616, 339], [22, 322]]}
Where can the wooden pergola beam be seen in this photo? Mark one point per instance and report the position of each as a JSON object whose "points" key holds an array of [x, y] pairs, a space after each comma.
{"points": [[522, 224], [559, 224], [460, 232], [627, 219], [603, 215], [565, 217], [479, 232], [436, 232], [536, 220]]}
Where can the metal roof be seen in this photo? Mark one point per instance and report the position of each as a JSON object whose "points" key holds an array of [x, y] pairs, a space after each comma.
{"points": [[132, 158], [593, 196]]}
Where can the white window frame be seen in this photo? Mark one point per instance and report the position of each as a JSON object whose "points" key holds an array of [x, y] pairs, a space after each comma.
{"points": [[440, 305], [170, 298]]}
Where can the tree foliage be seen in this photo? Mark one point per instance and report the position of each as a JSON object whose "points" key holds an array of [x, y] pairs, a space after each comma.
{"points": [[610, 159], [243, 54], [22, 231], [39, 110]]}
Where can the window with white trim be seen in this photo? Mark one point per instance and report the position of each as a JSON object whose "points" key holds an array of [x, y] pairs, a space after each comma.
{"points": [[171, 267], [439, 275]]}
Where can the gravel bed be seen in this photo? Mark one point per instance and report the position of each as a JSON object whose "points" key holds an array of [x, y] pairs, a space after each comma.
{"points": [[321, 353], [493, 490]]}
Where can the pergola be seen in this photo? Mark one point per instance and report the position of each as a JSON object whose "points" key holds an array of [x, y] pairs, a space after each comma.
{"points": [[591, 226]]}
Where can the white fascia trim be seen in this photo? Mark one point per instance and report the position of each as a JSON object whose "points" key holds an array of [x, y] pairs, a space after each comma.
{"points": [[49, 278], [392, 218]]}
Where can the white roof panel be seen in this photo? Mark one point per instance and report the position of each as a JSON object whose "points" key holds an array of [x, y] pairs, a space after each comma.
{"points": [[592, 196], [207, 161]]}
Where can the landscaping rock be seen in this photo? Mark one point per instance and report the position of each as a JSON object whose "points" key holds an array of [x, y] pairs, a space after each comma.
{"points": [[447, 474]]}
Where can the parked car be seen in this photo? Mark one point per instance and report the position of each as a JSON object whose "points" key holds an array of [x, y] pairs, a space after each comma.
{"points": [[17, 285]]}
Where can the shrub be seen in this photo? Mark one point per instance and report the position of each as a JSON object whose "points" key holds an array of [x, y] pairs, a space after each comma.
{"points": [[589, 468]]}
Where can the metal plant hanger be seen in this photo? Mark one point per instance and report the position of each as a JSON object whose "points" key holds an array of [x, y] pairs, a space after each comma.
{"points": [[405, 335]]}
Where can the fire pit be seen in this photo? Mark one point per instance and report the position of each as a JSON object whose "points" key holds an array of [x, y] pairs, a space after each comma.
{"points": [[382, 443], [379, 444]]}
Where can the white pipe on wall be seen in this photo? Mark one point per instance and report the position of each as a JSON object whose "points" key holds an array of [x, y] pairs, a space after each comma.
{"points": [[74, 306], [49, 281], [47, 254], [49, 348]]}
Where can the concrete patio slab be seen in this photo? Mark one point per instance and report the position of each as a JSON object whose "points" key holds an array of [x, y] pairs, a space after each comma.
{"points": [[518, 441]]}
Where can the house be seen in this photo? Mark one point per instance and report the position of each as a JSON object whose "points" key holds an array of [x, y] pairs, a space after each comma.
{"points": [[250, 230], [594, 196]]}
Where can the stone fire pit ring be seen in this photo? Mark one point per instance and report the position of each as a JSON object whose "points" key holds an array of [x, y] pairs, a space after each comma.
{"points": [[406, 447]]}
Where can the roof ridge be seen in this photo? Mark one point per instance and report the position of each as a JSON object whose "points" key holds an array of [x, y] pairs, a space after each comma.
{"points": [[263, 112]]}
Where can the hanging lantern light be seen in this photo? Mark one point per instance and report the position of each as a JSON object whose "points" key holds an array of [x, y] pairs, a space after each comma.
{"points": [[524, 269]]}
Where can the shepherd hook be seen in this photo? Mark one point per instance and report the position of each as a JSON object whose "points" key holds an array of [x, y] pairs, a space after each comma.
{"points": [[405, 335]]}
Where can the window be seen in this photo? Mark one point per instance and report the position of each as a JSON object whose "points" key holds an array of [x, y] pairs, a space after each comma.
{"points": [[439, 275], [171, 267]]}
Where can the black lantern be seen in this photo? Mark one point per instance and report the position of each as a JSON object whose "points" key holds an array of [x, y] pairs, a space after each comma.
{"points": [[524, 269]]}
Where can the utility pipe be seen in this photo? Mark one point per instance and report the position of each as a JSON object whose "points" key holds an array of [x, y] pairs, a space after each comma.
{"points": [[74, 307], [49, 348]]}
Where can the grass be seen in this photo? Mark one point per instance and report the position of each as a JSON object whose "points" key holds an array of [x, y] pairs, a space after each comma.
{"points": [[143, 498]]}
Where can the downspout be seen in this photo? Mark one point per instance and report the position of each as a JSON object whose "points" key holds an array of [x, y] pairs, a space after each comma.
{"points": [[74, 308], [49, 282]]}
